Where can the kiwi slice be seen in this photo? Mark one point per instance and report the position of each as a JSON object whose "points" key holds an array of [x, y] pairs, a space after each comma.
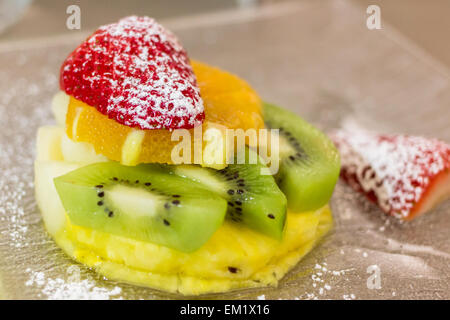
{"points": [[309, 162], [144, 202], [254, 200]]}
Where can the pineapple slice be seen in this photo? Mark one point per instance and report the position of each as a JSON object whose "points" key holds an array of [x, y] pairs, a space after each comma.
{"points": [[60, 104], [79, 151], [49, 143], [45, 192]]}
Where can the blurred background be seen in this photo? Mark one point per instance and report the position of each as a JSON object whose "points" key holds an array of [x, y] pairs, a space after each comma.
{"points": [[317, 58], [426, 23]]}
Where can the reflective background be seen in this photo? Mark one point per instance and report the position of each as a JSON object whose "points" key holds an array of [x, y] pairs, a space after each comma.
{"points": [[316, 58], [426, 23]]}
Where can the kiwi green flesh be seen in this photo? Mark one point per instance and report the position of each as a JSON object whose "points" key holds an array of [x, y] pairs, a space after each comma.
{"points": [[254, 200], [144, 202], [309, 162]]}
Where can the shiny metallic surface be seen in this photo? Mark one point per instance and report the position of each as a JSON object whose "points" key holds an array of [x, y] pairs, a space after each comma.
{"points": [[317, 60]]}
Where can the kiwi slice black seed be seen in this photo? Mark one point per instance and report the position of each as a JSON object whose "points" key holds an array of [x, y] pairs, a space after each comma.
{"points": [[144, 202], [309, 162], [254, 200]]}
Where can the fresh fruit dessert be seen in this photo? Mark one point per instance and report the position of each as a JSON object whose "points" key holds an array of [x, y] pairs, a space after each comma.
{"points": [[114, 199], [405, 176]]}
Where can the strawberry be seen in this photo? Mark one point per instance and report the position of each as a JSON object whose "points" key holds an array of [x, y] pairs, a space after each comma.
{"points": [[137, 73], [405, 175]]}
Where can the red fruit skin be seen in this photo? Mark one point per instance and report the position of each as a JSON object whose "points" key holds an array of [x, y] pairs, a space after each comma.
{"points": [[437, 192], [405, 176], [137, 73]]}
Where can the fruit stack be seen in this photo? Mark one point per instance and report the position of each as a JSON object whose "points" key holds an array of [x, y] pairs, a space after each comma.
{"points": [[114, 199]]}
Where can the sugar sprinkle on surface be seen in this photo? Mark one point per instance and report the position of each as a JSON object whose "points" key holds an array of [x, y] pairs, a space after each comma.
{"points": [[72, 289]]}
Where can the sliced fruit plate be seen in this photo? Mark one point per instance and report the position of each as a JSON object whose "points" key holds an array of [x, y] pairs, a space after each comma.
{"points": [[114, 199]]}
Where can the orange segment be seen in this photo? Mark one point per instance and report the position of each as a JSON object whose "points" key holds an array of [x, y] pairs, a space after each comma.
{"points": [[213, 81], [108, 136], [84, 123], [236, 110], [228, 100]]}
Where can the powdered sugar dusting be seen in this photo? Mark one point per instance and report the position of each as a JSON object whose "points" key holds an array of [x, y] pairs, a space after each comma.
{"points": [[321, 281], [393, 170], [72, 289], [136, 72]]}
